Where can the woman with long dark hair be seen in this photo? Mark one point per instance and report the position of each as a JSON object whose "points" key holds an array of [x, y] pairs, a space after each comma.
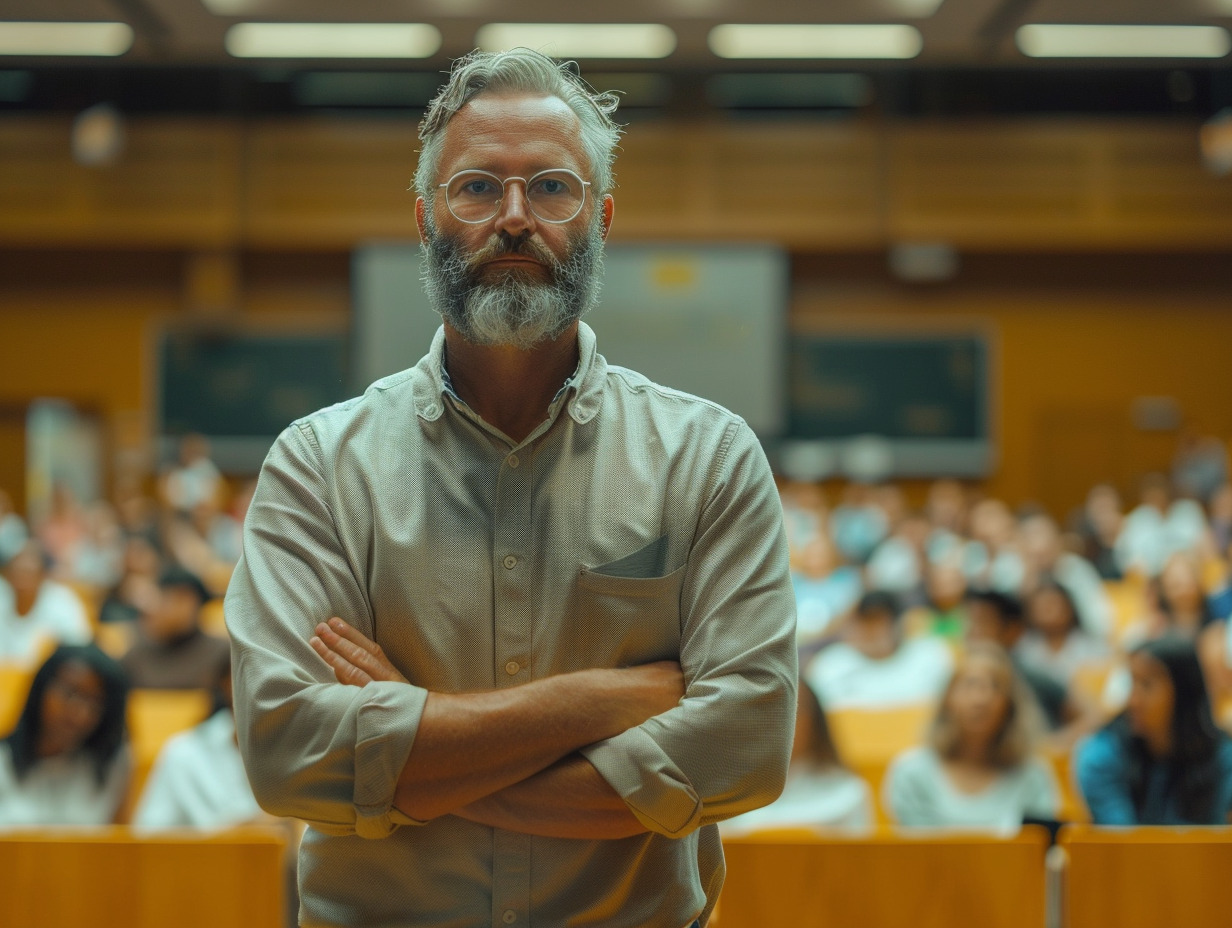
{"points": [[67, 762], [1162, 761]]}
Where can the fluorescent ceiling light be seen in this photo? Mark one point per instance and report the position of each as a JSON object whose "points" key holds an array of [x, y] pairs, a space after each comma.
{"points": [[1040, 40], [100, 39], [332, 40], [581, 40], [815, 41]]}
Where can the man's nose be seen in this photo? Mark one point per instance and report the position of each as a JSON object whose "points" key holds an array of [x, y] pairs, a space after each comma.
{"points": [[513, 216]]}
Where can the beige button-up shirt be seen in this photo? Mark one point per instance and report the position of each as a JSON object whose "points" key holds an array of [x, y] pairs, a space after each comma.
{"points": [[635, 524]]}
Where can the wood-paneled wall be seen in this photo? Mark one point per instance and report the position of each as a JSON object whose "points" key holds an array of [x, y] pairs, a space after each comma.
{"points": [[93, 260], [1041, 184]]}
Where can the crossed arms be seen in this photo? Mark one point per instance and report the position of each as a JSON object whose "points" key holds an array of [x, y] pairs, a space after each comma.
{"points": [[506, 758]]}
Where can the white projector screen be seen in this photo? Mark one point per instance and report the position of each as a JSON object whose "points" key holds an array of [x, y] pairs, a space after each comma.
{"points": [[707, 319]]}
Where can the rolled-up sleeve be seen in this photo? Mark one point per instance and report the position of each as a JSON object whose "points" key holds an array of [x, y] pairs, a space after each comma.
{"points": [[724, 749], [313, 749]]}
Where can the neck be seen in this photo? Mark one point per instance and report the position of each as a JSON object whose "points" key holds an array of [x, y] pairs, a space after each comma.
{"points": [[509, 388], [25, 599], [972, 751]]}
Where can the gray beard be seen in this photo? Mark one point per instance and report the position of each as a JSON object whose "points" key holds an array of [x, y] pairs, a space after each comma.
{"points": [[515, 311]]}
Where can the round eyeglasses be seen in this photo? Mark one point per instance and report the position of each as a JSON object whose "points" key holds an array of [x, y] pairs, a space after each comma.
{"points": [[553, 196]]}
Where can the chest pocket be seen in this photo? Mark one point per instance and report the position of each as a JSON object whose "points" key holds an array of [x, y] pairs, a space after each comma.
{"points": [[622, 621]]}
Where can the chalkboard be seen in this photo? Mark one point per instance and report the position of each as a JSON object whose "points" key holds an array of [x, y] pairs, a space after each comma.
{"points": [[236, 385], [927, 387], [925, 397]]}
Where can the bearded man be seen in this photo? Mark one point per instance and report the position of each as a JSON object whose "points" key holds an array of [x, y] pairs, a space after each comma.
{"points": [[513, 630]]}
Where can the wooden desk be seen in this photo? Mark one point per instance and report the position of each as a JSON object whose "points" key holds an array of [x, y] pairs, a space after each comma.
{"points": [[110, 879], [887, 880], [1147, 877]]}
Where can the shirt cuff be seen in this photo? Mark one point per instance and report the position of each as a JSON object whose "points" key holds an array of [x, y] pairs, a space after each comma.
{"points": [[656, 791], [386, 724]]}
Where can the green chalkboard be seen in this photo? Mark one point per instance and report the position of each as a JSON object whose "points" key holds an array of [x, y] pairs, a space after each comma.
{"points": [[244, 385], [915, 387]]}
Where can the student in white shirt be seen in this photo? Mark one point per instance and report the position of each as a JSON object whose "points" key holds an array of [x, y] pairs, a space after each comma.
{"points": [[67, 762], [36, 612], [976, 770], [198, 780], [876, 666], [821, 793]]}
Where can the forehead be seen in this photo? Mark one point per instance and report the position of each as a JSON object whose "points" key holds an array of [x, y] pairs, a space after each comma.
{"points": [[80, 676], [509, 133]]}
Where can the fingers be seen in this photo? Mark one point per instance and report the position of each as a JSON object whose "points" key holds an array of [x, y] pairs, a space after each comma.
{"points": [[344, 670], [353, 635], [357, 651]]}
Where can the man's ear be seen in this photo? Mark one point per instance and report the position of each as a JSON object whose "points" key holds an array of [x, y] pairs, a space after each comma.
{"points": [[609, 207], [419, 219]]}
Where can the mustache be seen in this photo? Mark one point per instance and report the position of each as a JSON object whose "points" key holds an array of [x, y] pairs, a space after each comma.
{"points": [[503, 244]]}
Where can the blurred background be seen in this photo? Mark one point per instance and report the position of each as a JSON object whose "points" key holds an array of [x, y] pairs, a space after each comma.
{"points": [[964, 265], [1001, 249]]}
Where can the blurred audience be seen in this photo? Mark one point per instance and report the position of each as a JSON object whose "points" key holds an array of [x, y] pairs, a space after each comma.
{"points": [[1055, 643], [1046, 559], [875, 664], [998, 618], [172, 651], [821, 793], [1162, 761], [67, 762], [36, 611], [976, 769]]}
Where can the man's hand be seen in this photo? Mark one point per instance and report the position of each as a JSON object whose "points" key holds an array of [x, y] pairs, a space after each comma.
{"points": [[355, 659]]}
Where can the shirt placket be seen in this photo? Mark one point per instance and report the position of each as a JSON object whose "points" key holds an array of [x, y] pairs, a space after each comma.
{"points": [[512, 570]]}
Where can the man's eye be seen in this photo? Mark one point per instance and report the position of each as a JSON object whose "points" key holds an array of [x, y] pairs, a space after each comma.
{"points": [[552, 186], [478, 188]]}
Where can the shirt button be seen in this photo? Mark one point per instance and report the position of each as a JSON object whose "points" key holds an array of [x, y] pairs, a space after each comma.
{"points": [[510, 562], [509, 917], [513, 461], [512, 668]]}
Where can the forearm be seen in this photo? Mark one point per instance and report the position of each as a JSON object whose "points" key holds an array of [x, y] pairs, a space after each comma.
{"points": [[470, 746], [567, 800]]}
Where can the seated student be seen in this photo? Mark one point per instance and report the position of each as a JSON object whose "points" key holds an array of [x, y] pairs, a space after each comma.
{"points": [[1055, 643], [35, 611], [1162, 761], [198, 780], [824, 590], [172, 651], [820, 792], [976, 769], [998, 618], [67, 762], [875, 666], [942, 614]]}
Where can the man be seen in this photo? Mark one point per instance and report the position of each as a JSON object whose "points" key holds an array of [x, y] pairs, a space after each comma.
{"points": [[580, 577]]}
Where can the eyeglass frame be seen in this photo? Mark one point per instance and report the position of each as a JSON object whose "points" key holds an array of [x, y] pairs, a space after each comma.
{"points": [[499, 200]]}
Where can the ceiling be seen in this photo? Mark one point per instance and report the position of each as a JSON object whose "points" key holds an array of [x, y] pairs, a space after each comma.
{"points": [[956, 33]]}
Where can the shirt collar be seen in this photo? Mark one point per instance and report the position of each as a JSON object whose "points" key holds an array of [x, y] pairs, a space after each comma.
{"points": [[581, 393]]}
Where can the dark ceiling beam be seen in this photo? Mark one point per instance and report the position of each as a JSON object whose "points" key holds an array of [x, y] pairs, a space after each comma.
{"points": [[1005, 19]]}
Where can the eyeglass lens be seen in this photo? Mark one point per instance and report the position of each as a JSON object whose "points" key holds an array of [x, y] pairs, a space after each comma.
{"points": [[553, 196]]}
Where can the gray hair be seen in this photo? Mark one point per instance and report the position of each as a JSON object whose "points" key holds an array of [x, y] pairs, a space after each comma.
{"points": [[524, 70]]}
